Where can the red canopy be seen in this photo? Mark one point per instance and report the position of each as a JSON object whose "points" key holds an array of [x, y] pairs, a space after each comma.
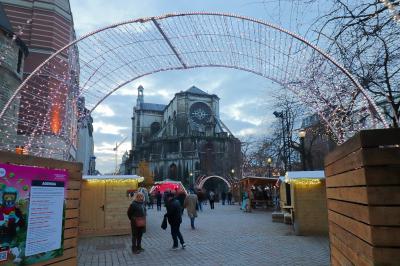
{"points": [[167, 185]]}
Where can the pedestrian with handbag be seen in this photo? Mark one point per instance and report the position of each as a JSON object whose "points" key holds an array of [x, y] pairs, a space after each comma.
{"points": [[137, 216], [174, 216]]}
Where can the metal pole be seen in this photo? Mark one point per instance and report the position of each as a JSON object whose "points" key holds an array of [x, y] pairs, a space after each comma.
{"points": [[303, 154]]}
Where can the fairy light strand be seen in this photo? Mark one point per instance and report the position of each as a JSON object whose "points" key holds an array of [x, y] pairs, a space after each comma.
{"points": [[107, 59]]}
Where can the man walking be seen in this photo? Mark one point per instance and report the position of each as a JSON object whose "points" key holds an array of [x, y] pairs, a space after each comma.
{"points": [[191, 202], [229, 197], [158, 198], [174, 215], [200, 198], [211, 198], [223, 196]]}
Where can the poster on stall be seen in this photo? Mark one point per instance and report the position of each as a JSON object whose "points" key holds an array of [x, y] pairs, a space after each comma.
{"points": [[32, 210]]}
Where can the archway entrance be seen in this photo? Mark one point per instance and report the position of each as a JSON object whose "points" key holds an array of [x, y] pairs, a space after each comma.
{"points": [[103, 61], [203, 180]]}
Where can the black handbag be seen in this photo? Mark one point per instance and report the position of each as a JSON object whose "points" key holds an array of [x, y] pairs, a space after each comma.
{"points": [[164, 223]]}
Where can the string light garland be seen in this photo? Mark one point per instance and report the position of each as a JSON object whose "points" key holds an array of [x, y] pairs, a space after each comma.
{"points": [[390, 5], [111, 181], [305, 181], [42, 116]]}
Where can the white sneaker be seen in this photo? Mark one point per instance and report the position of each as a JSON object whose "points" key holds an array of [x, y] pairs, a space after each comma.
{"points": [[174, 248], [183, 246]]}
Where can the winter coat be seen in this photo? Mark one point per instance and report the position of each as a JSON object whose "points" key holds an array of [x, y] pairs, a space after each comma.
{"points": [[174, 212], [136, 209], [181, 198], [190, 205]]}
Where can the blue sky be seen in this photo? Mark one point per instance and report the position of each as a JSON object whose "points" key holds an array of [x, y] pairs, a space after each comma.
{"points": [[244, 106]]}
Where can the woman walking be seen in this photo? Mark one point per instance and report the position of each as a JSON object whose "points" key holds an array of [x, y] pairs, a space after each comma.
{"points": [[191, 202], [137, 216]]}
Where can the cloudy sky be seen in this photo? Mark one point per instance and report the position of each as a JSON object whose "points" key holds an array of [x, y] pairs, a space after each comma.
{"points": [[244, 106]]}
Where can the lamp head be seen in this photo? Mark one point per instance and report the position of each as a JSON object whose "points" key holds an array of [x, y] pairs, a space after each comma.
{"points": [[302, 133]]}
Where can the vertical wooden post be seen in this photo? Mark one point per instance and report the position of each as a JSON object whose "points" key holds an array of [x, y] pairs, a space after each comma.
{"points": [[363, 198]]}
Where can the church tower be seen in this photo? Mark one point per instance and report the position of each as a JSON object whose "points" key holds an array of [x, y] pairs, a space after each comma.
{"points": [[140, 97]]}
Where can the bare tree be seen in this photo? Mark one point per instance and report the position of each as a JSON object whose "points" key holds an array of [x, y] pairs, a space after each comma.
{"points": [[364, 36]]}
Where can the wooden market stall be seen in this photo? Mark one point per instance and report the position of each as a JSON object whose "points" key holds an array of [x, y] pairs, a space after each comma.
{"points": [[105, 200], [303, 196], [254, 183]]}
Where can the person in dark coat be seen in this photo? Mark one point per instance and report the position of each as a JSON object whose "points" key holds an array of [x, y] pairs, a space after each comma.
{"points": [[223, 196], [174, 215], [136, 211], [200, 197], [181, 198], [158, 197], [229, 198]]}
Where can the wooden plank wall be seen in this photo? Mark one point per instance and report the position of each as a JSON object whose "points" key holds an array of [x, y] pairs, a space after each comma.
{"points": [[73, 199], [115, 204], [310, 211], [363, 199]]}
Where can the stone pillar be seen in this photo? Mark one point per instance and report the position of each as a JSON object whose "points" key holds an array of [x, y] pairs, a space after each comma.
{"points": [[363, 199]]}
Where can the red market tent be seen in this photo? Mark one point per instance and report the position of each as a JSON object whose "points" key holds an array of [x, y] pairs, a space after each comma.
{"points": [[167, 185]]}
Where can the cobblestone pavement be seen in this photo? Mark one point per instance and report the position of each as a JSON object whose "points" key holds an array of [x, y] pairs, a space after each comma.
{"points": [[223, 236]]}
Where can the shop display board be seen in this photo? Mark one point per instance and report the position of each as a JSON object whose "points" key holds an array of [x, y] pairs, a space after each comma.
{"points": [[32, 213]]}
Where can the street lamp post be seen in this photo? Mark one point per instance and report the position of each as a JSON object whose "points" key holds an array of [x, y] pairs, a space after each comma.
{"points": [[191, 181], [302, 135], [285, 148], [269, 161]]}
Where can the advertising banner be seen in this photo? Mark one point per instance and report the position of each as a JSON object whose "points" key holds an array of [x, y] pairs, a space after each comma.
{"points": [[32, 209]]}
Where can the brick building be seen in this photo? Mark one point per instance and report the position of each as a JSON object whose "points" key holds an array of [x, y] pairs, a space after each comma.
{"points": [[47, 26], [13, 52]]}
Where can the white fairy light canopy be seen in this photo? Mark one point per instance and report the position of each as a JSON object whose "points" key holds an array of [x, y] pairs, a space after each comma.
{"points": [[41, 116]]}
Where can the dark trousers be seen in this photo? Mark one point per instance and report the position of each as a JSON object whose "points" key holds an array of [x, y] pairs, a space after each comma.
{"points": [[192, 222], [158, 206], [223, 201], [176, 234], [212, 204], [229, 201], [137, 234]]}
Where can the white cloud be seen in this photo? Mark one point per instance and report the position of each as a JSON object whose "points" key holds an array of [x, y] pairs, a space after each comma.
{"points": [[246, 132], [106, 128], [103, 110], [236, 111], [105, 155]]}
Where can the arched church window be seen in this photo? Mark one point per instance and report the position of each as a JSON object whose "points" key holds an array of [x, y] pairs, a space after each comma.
{"points": [[154, 128]]}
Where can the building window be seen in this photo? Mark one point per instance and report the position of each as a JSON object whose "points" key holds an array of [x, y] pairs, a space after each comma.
{"points": [[154, 128]]}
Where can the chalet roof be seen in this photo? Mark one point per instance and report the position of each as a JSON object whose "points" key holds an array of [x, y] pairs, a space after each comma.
{"points": [[305, 174]]}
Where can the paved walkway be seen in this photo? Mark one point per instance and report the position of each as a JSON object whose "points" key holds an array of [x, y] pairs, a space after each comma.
{"points": [[224, 236]]}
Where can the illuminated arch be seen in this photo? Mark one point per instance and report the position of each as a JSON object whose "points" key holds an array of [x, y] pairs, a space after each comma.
{"points": [[103, 61], [204, 180]]}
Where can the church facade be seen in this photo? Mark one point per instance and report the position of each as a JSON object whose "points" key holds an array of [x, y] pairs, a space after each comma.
{"points": [[183, 140]]}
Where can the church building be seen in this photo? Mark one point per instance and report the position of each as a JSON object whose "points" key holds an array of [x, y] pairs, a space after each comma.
{"points": [[184, 139]]}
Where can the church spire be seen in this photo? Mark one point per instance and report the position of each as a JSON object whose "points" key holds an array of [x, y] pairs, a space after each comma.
{"points": [[140, 97]]}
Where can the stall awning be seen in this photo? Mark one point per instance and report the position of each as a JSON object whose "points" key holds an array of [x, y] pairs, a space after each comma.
{"points": [[113, 177], [167, 185]]}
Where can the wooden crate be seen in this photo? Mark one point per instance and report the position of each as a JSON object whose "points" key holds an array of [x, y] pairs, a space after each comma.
{"points": [[72, 205], [363, 199]]}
